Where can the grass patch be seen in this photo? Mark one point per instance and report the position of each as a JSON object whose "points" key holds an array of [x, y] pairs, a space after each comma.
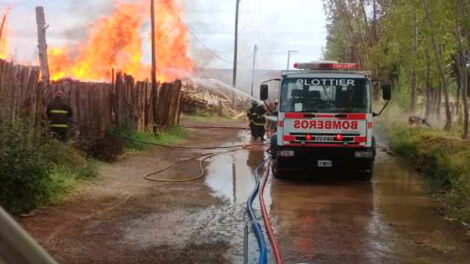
{"points": [[171, 136], [63, 179], [444, 157], [204, 116]]}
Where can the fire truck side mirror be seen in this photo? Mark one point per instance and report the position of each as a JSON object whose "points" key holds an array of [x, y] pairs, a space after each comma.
{"points": [[263, 92], [386, 91]]}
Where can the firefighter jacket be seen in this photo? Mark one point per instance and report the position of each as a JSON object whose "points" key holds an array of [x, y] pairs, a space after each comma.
{"points": [[58, 113], [251, 113], [259, 118]]}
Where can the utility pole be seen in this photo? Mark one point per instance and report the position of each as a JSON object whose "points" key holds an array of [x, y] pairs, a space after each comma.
{"points": [[154, 91], [253, 70], [288, 57], [42, 44], [154, 54], [235, 51]]}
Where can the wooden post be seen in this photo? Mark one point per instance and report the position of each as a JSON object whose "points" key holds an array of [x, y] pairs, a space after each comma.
{"points": [[154, 63], [154, 53], [4, 19], [42, 44]]}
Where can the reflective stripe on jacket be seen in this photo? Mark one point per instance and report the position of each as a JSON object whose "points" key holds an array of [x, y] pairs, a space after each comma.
{"points": [[58, 113], [259, 120], [58, 125], [65, 112]]}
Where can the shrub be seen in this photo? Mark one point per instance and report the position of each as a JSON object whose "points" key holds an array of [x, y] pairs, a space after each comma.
{"points": [[31, 167], [24, 168], [107, 148]]}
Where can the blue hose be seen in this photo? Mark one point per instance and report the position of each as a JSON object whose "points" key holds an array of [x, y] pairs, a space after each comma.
{"points": [[256, 225]]}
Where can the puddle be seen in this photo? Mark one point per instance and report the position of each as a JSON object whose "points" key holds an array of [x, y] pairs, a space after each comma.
{"points": [[389, 220], [230, 175]]}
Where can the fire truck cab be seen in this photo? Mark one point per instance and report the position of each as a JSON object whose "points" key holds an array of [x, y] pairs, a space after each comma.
{"points": [[324, 120]]}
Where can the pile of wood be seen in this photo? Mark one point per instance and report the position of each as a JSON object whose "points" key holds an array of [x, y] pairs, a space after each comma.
{"points": [[213, 95]]}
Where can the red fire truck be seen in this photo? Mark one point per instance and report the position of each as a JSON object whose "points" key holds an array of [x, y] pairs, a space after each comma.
{"points": [[324, 120]]}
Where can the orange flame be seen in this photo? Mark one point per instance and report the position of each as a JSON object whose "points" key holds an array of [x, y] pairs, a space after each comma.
{"points": [[4, 33], [172, 40], [116, 42]]}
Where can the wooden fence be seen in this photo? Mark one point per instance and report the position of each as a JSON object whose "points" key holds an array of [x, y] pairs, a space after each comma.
{"points": [[20, 93], [96, 106]]}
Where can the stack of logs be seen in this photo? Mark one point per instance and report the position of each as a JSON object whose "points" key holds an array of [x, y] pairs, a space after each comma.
{"points": [[212, 95]]}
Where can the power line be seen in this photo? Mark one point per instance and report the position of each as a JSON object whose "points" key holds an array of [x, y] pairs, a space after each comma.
{"points": [[193, 32]]}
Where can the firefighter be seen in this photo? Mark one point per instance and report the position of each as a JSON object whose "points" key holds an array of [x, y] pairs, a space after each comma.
{"points": [[58, 115], [259, 122], [251, 112]]}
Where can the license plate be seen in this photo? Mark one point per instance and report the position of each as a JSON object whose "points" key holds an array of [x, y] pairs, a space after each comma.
{"points": [[324, 138], [325, 163]]}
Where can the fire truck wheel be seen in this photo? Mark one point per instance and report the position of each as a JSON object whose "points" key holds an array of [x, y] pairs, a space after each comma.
{"points": [[273, 146], [363, 176], [277, 173]]}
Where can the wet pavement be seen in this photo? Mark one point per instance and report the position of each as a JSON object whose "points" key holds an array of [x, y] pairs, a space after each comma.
{"points": [[388, 220], [121, 218]]}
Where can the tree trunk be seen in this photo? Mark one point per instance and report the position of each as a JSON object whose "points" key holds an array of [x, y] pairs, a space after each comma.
{"points": [[375, 28], [465, 88], [463, 71], [440, 67], [459, 64], [428, 87], [438, 103], [413, 81], [458, 112], [465, 133], [413, 92]]}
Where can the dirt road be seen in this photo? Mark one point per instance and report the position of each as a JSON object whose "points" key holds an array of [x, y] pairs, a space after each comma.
{"points": [[122, 218]]}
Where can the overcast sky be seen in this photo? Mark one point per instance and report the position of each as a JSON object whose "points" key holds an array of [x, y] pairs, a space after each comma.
{"points": [[275, 26]]}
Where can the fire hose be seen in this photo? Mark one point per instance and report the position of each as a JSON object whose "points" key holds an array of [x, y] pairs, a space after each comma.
{"points": [[257, 229], [251, 214], [205, 157], [217, 127], [267, 224], [256, 226]]}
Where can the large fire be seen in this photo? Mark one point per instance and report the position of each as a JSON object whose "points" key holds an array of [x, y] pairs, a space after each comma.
{"points": [[4, 32], [116, 42]]}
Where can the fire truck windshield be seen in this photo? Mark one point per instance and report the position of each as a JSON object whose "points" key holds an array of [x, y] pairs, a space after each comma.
{"points": [[325, 95]]}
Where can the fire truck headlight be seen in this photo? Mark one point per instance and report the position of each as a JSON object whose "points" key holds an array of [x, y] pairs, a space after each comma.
{"points": [[286, 153], [363, 154]]}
